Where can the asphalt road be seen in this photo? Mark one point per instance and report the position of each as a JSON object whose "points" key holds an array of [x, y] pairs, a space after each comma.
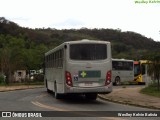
{"points": [[39, 100]]}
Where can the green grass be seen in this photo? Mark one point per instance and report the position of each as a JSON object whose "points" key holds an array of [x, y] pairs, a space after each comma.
{"points": [[151, 90], [2, 84]]}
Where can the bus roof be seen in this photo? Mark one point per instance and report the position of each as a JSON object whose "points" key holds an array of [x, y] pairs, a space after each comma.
{"points": [[76, 42], [121, 60], [87, 41]]}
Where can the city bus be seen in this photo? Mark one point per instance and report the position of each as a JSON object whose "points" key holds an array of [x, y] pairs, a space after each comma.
{"points": [[79, 67], [140, 71], [122, 71]]}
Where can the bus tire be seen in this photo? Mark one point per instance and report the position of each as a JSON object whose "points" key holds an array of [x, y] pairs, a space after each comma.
{"points": [[91, 96], [117, 81]]}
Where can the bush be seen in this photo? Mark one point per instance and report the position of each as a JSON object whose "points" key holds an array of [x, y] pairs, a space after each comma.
{"points": [[2, 77]]}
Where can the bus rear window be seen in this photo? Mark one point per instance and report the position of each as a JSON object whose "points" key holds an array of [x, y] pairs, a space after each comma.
{"points": [[88, 51]]}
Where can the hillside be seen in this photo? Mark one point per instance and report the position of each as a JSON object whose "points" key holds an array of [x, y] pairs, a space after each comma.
{"points": [[24, 48], [124, 44]]}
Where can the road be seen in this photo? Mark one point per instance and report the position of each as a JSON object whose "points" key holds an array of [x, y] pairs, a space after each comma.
{"points": [[39, 100]]}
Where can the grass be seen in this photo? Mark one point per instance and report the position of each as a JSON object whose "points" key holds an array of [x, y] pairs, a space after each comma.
{"points": [[2, 84], [151, 90]]}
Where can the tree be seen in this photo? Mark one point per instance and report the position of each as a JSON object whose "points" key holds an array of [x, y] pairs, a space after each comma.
{"points": [[154, 69], [11, 55], [5, 64]]}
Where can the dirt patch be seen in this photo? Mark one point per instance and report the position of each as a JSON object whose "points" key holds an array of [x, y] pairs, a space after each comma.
{"points": [[132, 96]]}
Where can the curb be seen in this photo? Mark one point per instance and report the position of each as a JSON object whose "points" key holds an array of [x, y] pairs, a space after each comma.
{"points": [[127, 103], [20, 88]]}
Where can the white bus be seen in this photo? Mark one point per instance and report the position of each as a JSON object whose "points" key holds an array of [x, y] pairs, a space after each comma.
{"points": [[122, 71], [82, 67]]}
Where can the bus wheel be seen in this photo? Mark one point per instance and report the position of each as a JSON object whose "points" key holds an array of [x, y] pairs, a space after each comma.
{"points": [[91, 96], [117, 81]]}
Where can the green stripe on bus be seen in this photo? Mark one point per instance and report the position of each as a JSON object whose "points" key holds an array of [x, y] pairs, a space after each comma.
{"points": [[89, 74]]}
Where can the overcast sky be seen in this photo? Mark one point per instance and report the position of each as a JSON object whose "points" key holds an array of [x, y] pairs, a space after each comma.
{"points": [[143, 18]]}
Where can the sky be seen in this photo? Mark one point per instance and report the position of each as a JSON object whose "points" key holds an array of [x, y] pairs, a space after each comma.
{"points": [[142, 17]]}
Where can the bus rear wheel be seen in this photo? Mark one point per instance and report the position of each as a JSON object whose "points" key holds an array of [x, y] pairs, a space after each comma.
{"points": [[117, 81], [91, 96]]}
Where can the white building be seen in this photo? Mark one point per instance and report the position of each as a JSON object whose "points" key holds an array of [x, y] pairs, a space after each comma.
{"points": [[19, 75]]}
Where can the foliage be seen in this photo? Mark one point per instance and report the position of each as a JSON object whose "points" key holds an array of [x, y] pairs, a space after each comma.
{"points": [[16, 55], [24, 48], [154, 68], [1, 79]]}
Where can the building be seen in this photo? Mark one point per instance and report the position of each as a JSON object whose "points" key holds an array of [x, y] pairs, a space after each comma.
{"points": [[20, 75]]}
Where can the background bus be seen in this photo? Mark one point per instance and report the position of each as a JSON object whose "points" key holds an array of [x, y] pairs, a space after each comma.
{"points": [[140, 71], [122, 71], [82, 67]]}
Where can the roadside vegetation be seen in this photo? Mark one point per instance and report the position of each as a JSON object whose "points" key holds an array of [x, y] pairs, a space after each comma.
{"points": [[154, 71], [2, 82], [151, 90], [38, 80], [24, 48]]}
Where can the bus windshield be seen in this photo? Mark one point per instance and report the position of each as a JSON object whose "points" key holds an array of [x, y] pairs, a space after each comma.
{"points": [[137, 69], [88, 51]]}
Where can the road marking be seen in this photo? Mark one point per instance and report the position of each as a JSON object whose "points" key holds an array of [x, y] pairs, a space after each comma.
{"points": [[47, 107], [112, 118], [73, 112], [42, 105], [41, 96]]}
